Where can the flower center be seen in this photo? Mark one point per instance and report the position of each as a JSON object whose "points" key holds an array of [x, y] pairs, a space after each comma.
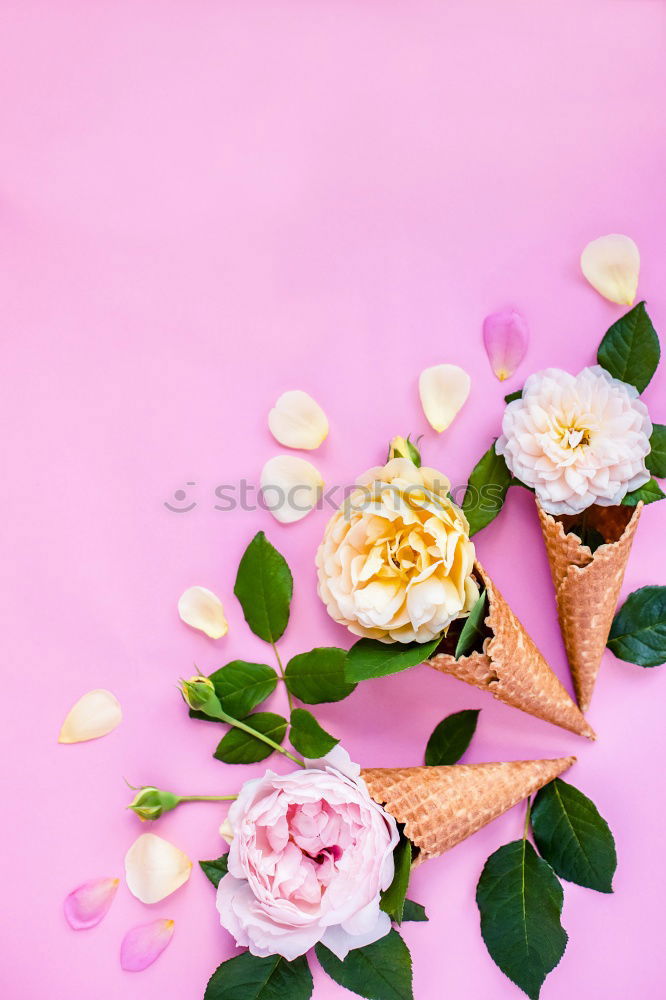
{"points": [[334, 853], [574, 436]]}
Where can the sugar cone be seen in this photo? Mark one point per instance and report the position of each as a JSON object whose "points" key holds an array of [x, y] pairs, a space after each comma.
{"points": [[512, 668], [587, 585], [440, 806]]}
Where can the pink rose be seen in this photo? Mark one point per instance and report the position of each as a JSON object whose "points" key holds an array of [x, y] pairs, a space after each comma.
{"points": [[309, 857]]}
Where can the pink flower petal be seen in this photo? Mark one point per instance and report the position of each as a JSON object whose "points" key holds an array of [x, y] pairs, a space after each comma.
{"points": [[87, 905], [505, 335], [144, 944]]}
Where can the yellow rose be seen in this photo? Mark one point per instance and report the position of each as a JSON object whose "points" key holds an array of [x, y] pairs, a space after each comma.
{"points": [[396, 560]]}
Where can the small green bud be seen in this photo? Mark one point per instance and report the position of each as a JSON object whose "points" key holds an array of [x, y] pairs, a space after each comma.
{"points": [[150, 803], [199, 693], [401, 447]]}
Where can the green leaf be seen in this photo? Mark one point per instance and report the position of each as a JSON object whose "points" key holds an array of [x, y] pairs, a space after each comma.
{"points": [[518, 394], [473, 631], [241, 686], [656, 460], [380, 971], [648, 493], [318, 676], [215, 870], [264, 586], [520, 901], [588, 535], [370, 658], [638, 632], [238, 747], [630, 350], [393, 899], [308, 737], [247, 977], [413, 912], [572, 837], [486, 490], [451, 737]]}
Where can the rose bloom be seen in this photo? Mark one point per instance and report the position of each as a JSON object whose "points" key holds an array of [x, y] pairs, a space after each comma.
{"points": [[310, 853], [577, 439], [396, 560]]}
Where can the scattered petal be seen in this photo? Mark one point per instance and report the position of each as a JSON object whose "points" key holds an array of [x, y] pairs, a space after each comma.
{"points": [[144, 944], [154, 868], [611, 265], [89, 904], [95, 714], [505, 336], [443, 390], [202, 609], [291, 487], [227, 831], [297, 421]]}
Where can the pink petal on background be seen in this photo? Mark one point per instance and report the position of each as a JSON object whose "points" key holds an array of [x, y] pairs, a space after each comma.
{"points": [[144, 944], [506, 336], [89, 904]]}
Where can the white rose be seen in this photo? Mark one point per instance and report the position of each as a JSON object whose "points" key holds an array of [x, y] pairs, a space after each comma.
{"points": [[577, 439]]}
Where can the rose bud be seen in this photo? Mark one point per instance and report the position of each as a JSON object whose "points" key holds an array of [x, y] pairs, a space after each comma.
{"points": [[199, 693], [401, 447], [150, 803]]}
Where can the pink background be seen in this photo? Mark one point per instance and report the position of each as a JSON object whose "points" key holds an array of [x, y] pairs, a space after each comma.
{"points": [[203, 204]]}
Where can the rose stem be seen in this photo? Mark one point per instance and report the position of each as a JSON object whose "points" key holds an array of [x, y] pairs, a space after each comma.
{"points": [[528, 814], [279, 663], [207, 798], [260, 736]]}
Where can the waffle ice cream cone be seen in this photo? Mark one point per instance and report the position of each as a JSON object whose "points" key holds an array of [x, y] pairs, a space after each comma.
{"points": [[512, 668], [440, 806], [587, 584]]}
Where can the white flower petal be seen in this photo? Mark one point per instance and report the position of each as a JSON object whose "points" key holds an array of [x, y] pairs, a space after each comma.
{"points": [[291, 487], [154, 868], [338, 940], [95, 714], [202, 609], [611, 265], [297, 421], [87, 905], [227, 830], [443, 390], [142, 945]]}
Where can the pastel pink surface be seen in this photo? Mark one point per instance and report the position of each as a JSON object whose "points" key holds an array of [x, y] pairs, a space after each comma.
{"points": [[203, 204]]}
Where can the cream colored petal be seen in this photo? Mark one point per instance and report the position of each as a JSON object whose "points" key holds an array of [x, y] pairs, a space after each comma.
{"points": [[443, 390], [154, 868], [202, 609], [611, 265], [227, 831], [95, 714], [297, 421], [291, 487]]}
